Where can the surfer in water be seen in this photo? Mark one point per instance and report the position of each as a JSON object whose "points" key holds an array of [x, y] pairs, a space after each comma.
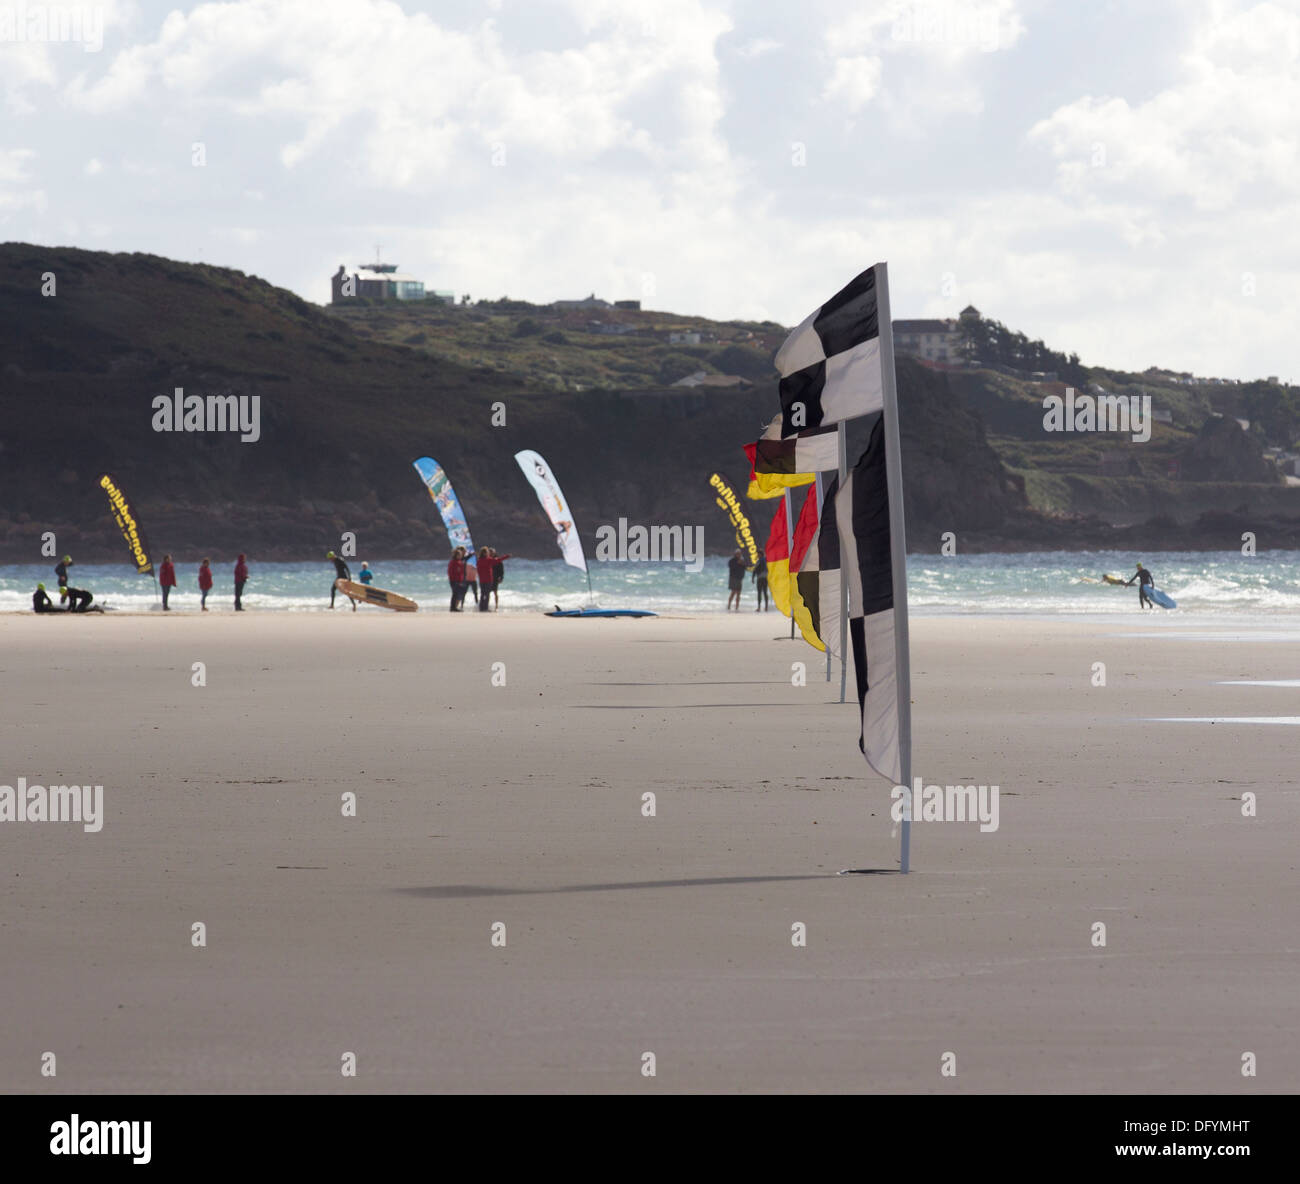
{"points": [[365, 575], [760, 583], [341, 572], [41, 602], [1145, 581]]}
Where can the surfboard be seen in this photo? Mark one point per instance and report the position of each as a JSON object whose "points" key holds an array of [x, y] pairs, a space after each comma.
{"points": [[368, 594], [1113, 580], [1162, 599], [600, 612]]}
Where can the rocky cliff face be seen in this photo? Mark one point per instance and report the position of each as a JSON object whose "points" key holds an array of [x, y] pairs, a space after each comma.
{"points": [[342, 418]]}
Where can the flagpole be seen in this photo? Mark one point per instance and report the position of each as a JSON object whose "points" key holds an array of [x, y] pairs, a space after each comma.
{"points": [[818, 481], [898, 552], [789, 551], [844, 580]]}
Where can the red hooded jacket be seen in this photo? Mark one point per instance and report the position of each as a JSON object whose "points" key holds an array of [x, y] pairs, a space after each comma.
{"points": [[205, 578], [241, 571], [456, 571], [167, 576]]}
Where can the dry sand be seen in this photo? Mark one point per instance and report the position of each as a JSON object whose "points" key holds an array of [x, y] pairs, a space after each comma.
{"points": [[625, 934]]}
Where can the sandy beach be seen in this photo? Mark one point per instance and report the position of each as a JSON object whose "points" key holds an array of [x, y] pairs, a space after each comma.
{"points": [[522, 805]]}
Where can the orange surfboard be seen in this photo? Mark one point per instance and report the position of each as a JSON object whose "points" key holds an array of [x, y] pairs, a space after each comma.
{"points": [[368, 594]]}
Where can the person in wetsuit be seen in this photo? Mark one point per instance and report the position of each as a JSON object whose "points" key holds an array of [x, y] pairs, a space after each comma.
{"points": [[760, 582], [341, 572], [41, 602], [1144, 582], [78, 599]]}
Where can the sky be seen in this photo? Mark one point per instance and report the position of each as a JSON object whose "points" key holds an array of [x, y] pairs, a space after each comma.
{"points": [[1119, 179]]}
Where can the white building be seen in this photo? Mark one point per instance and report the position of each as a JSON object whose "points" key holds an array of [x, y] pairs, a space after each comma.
{"points": [[931, 341]]}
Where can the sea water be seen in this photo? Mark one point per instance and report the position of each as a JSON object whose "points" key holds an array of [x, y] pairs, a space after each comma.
{"points": [[1223, 583]]}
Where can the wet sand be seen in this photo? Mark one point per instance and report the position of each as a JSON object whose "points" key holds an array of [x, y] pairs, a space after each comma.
{"points": [[522, 805]]}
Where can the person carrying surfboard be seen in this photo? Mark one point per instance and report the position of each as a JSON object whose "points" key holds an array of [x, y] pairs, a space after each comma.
{"points": [[342, 572], [1145, 581]]}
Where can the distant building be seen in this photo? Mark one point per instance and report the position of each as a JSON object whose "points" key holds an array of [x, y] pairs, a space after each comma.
{"points": [[931, 341], [592, 301], [630, 305], [374, 281], [684, 337]]}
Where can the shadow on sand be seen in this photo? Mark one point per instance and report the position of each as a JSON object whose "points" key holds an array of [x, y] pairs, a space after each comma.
{"points": [[455, 891]]}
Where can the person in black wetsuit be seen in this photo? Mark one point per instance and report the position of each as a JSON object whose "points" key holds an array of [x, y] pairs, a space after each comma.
{"points": [[341, 572], [41, 602], [78, 599], [760, 582], [1145, 581]]}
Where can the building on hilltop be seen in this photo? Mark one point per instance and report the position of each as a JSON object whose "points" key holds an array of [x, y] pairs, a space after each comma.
{"points": [[374, 281], [931, 341], [592, 301]]}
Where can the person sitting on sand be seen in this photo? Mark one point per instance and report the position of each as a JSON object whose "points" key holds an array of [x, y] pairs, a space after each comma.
{"points": [[1144, 581], [205, 584], [736, 569], [365, 575], [41, 602], [341, 572]]}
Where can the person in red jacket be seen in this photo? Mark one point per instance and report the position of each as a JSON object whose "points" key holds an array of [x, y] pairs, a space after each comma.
{"points": [[241, 578], [205, 584], [486, 577], [166, 579], [456, 577]]}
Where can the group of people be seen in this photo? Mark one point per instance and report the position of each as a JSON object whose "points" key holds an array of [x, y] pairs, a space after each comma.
{"points": [[482, 572], [72, 600], [78, 600], [736, 569]]}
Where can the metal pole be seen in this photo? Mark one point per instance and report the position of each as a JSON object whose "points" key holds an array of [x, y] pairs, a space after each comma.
{"points": [[789, 548], [844, 576], [898, 549], [817, 542]]}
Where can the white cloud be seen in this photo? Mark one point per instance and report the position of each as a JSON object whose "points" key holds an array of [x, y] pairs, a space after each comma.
{"points": [[94, 166], [18, 190], [1227, 130]]}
